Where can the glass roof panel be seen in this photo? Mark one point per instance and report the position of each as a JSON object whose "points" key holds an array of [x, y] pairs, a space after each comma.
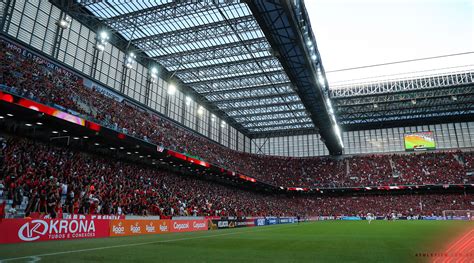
{"points": [[216, 48]]}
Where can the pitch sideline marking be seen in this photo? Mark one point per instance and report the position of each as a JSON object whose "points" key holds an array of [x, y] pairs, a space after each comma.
{"points": [[132, 245]]}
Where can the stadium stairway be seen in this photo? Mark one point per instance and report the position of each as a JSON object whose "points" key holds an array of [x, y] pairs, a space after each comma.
{"points": [[460, 160], [17, 212]]}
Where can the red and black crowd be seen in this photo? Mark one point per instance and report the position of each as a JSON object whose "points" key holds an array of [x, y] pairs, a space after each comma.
{"points": [[59, 179]]}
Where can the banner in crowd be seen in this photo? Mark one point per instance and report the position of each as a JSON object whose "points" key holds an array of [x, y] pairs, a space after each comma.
{"points": [[24, 230], [138, 227], [106, 92], [38, 59], [36, 215]]}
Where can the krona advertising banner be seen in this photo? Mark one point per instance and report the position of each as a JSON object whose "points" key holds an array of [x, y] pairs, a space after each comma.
{"points": [[23, 230]]}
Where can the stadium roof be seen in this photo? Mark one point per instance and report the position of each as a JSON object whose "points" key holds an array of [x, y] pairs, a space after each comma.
{"points": [[256, 61], [217, 49], [434, 98]]}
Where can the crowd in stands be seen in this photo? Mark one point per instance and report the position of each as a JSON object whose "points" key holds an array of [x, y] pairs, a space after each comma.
{"points": [[55, 179], [35, 80]]}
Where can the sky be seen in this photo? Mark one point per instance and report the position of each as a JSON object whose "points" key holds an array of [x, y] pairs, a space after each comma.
{"points": [[354, 33]]}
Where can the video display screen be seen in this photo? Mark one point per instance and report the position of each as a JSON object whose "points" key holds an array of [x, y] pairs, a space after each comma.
{"points": [[420, 141]]}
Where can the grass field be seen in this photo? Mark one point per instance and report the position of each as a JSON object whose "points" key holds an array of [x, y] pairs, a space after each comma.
{"points": [[325, 241]]}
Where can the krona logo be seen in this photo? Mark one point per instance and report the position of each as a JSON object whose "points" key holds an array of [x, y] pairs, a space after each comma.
{"points": [[34, 230]]}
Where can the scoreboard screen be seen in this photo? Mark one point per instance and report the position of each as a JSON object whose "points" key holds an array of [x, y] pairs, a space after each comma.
{"points": [[420, 141]]}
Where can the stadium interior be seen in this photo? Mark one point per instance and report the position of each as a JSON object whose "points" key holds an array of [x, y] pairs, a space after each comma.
{"points": [[215, 109]]}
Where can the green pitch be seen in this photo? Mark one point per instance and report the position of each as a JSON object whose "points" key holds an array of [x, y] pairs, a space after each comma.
{"points": [[328, 241]]}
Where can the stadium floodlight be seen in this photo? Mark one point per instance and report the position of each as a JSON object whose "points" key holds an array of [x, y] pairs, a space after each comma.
{"points": [[102, 40], [65, 22], [130, 60], [171, 89], [223, 124], [188, 101], [154, 74], [413, 102], [376, 106], [200, 110], [314, 57], [213, 117], [454, 98]]}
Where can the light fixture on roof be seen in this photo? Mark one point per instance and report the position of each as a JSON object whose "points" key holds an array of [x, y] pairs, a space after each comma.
{"points": [[76, 138], [413, 101], [376, 106], [85, 137], [213, 117], [102, 40], [39, 123], [200, 110], [188, 101], [223, 124], [130, 60], [171, 89], [65, 22], [454, 98], [314, 57], [1, 117], [29, 124], [9, 115], [154, 74]]}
